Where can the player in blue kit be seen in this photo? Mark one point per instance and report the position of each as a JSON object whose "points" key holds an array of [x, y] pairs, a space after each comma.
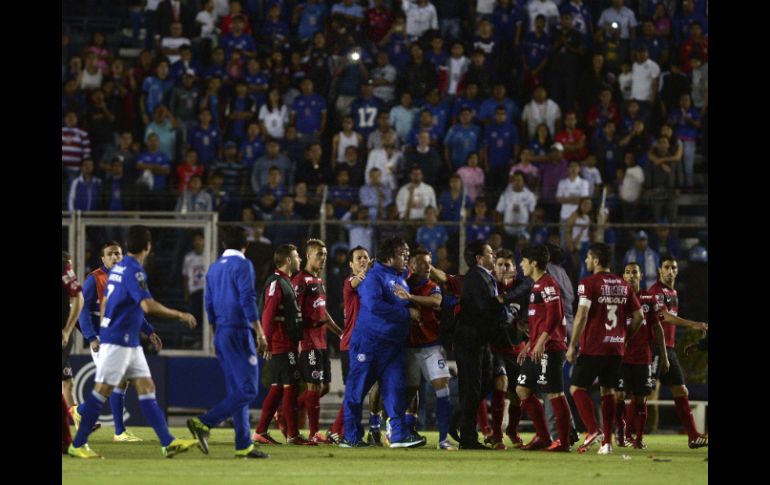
{"points": [[126, 300], [231, 304]]}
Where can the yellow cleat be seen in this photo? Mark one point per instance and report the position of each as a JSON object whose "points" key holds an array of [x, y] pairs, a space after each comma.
{"points": [[125, 437], [177, 446], [83, 452]]}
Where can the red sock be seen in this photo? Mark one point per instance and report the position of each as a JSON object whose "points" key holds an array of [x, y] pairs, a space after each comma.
{"points": [[482, 419], [514, 416], [585, 409], [608, 417], [631, 418], [66, 436], [682, 405], [537, 414], [620, 421], [641, 421], [290, 410], [301, 400], [313, 406], [337, 425], [269, 405], [498, 406], [562, 415]]}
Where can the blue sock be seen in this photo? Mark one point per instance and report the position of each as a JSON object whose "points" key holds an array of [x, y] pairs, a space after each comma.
{"points": [[154, 416], [374, 422], [117, 403], [411, 420], [89, 413], [443, 415]]}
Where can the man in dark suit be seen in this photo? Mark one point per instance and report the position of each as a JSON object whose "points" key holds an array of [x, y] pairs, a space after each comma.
{"points": [[170, 11]]}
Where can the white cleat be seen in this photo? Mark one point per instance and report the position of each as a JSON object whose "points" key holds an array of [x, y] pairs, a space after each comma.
{"points": [[606, 449]]}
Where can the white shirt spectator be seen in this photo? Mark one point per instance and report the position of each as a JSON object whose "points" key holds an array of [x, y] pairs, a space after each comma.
{"points": [[594, 178], [422, 197], [386, 92], [571, 188], [624, 17], [631, 187], [642, 76], [208, 23], [194, 268], [275, 120], [174, 43], [546, 8], [387, 164], [419, 18], [534, 114], [516, 208], [485, 7]]}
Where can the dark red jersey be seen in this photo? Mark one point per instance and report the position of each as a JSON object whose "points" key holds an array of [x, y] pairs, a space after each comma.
{"points": [[639, 349], [666, 298], [426, 333], [352, 304], [70, 287], [273, 316], [611, 302], [546, 315], [311, 297], [512, 350]]}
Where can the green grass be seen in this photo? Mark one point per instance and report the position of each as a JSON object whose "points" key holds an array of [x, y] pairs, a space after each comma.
{"points": [[142, 463]]}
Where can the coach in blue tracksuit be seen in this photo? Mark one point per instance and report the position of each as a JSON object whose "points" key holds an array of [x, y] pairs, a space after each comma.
{"points": [[231, 305], [377, 346]]}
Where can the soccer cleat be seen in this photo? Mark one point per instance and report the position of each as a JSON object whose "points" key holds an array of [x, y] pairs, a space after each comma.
{"points": [[537, 443], [280, 422], [487, 432], [515, 439], [699, 442], [446, 445], [264, 439], [333, 438], [358, 444], [476, 445], [499, 446], [320, 438], [200, 432], [410, 441], [75, 415], [639, 445], [374, 437], [177, 446], [250, 452], [82, 452], [557, 446], [388, 431], [590, 439], [125, 437], [573, 436], [300, 440], [606, 449]]}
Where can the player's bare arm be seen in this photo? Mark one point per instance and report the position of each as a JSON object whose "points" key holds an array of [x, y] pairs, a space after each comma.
{"points": [[151, 306]]}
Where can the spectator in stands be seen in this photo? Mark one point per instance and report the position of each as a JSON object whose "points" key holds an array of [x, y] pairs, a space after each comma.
{"points": [[103, 52], [72, 99], [591, 174], [308, 113], [569, 48], [501, 146], [240, 110], [194, 199], [274, 115], [383, 77], [551, 172], [637, 140], [388, 160], [421, 17], [253, 147], [631, 188], [354, 165], [154, 166], [288, 232], [499, 98], [171, 11], [430, 235], [530, 171], [427, 158], [571, 190], [126, 149], [238, 39], [376, 138], [171, 43], [402, 117], [660, 180], [414, 197], [664, 242], [535, 52], [644, 80], [538, 233], [673, 84], [577, 235], [686, 122], [220, 199], [451, 201], [540, 143], [516, 205], [396, 44], [155, 91], [164, 125], [662, 21], [602, 112], [304, 205], [360, 232], [310, 17], [118, 190], [312, 171], [619, 18], [540, 110], [91, 76], [186, 170], [271, 192], [183, 104], [85, 192], [468, 98], [100, 122], [342, 195], [479, 223], [235, 175], [684, 19], [657, 46], [644, 256], [418, 75], [572, 138], [593, 82], [206, 139], [461, 140], [375, 196], [472, 176]]}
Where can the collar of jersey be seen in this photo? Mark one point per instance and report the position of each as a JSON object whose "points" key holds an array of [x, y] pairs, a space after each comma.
{"points": [[233, 252]]}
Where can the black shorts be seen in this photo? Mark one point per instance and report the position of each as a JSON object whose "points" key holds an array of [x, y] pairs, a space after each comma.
{"points": [[345, 362], [315, 366], [636, 379], [587, 367], [505, 365], [66, 367], [674, 376], [547, 374], [283, 369]]}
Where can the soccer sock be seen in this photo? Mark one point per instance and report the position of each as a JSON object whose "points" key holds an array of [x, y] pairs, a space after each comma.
{"points": [[443, 412], [498, 407], [620, 421], [563, 418], [269, 406], [66, 436], [537, 413], [375, 421], [482, 418], [631, 411], [289, 406], [682, 405], [608, 417], [411, 420], [313, 406], [117, 402], [301, 400], [585, 409], [337, 425], [641, 421], [154, 416], [514, 416], [89, 413]]}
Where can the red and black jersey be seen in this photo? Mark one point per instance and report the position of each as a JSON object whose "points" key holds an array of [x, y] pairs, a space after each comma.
{"points": [[100, 278], [70, 287], [453, 287], [612, 301], [639, 349], [666, 298], [426, 333], [273, 316], [352, 304], [311, 298], [514, 349], [546, 315]]}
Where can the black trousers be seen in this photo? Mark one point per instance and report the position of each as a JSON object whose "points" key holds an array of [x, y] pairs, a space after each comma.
{"points": [[475, 367]]}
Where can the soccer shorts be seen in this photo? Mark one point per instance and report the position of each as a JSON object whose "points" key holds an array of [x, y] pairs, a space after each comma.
{"points": [[117, 363], [428, 362], [588, 367], [66, 367], [315, 366], [547, 373], [636, 379], [283, 369], [506, 365], [674, 376]]}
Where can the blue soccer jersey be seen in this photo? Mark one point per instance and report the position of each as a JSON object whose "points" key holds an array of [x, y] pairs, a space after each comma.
{"points": [[364, 112], [123, 314], [308, 110]]}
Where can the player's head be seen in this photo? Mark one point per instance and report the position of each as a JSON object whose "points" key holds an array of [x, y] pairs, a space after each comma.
{"points": [[394, 252], [286, 258], [421, 262], [534, 260], [65, 259], [504, 266], [555, 253], [632, 274], [358, 259], [479, 253], [139, 239], [598, 258], [199, 241], [668, 270], [234, 237], [111, 253], [316, 254]]}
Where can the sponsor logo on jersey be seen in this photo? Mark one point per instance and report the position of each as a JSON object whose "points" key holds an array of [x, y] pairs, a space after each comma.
{"points": [[609, 339], [252, 360], [361, 357]]}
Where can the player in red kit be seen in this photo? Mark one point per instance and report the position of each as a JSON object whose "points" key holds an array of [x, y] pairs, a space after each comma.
{"points": [[636, 370], [600, 328], [72, 303], [668, 299], [542, 359], [314, 363]]}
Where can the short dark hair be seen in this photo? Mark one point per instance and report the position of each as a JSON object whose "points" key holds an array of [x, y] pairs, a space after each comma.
{"points": [[282, 252], [504, 253], [555, 253], [352, 252], [109, 244], [665, 258], [389, 247], [601, 251], [421, 251], [536, 254], [234, 237], [475, 248], [138, 239]]}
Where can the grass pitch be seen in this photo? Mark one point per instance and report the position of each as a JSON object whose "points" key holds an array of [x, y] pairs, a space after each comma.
{"points": [[667, 459]]}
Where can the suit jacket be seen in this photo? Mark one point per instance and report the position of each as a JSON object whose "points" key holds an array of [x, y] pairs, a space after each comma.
{"points": [[480, 312], [165, 17]]}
